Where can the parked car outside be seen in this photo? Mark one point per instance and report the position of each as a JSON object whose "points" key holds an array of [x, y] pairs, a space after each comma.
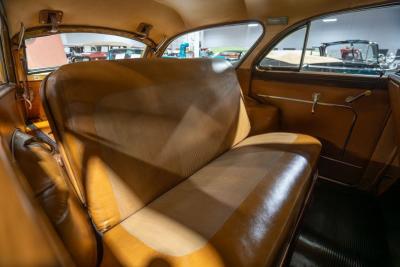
{"points": [[125, 53], [88, 56], [355, 57], [230, 55]]}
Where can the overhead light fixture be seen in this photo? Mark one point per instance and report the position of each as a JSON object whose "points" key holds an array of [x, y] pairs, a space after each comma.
{"points": [[330, 20], [252, 25]]}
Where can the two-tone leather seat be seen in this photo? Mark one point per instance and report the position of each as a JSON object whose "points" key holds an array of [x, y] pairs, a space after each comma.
{"points": [[159, 152]]}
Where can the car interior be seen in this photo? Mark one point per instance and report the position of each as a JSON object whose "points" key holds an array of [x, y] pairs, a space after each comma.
{"points": [[167, 133]]}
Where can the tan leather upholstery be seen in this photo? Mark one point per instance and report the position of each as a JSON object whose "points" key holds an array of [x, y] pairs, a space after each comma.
{"points": [[26, 236], [236, 211], [159, 153], [184, 123], [345, 154], [63, 209], [263, 118]]}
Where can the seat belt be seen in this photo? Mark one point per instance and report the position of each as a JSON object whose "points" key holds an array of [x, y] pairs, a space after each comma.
{"points": [[43, 137]]}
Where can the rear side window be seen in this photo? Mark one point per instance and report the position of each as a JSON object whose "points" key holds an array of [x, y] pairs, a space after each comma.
{"points": [[231, 42], [287, 53], [49, 52], [365, 42]]}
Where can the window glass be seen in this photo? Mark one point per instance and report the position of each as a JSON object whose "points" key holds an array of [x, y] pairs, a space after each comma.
{"points": [[49, 52], [361, 42], [287, 53], [228, 42]]}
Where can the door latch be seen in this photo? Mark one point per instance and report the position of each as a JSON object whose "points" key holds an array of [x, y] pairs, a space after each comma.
{"points": [[315, 99]]}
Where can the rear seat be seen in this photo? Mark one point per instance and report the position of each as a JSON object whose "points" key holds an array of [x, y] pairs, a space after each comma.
{"points": [[160, 155]]}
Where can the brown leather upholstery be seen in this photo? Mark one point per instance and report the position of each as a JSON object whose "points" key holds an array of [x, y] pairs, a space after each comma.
{"points": [[346, 149], [48, 183], [26, 236], [394, 93], [263, 118], [184, 122], [158, 150], [236, 211]]}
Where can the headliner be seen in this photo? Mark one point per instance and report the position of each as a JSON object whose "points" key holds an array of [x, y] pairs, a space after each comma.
{"points": [[169, 17]]}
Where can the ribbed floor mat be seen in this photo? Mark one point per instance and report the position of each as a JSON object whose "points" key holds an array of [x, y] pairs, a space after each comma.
{"points": [[341, 227]]}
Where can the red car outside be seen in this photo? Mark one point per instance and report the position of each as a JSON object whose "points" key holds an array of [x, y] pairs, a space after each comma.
{"points": [[92, 56]]}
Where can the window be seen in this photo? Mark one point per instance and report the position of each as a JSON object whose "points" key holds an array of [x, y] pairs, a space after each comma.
{"points": [[49, 52], [227, 42], [287, 53], [363, 42]]}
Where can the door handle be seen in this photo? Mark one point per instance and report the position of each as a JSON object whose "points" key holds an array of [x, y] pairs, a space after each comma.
{"points": [[351, 99], [315, 99]]}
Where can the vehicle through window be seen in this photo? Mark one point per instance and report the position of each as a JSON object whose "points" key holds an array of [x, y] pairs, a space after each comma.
{"points": [[218, 42], [49, 52], [348, 43]]}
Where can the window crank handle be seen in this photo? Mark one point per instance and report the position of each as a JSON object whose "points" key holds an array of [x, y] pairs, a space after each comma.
{"points": [[315, 99]]}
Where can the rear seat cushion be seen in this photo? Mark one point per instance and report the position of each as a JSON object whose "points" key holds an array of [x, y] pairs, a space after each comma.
{"points": [[236, 211]]}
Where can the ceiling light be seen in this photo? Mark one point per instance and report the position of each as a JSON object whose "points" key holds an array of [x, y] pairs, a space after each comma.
{"points": [[330, 20], [252, 25]]}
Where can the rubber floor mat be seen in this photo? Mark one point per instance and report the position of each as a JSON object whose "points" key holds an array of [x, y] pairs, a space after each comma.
{"points": [[341, 227]]}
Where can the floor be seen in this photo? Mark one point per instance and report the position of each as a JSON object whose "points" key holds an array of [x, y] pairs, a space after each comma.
{"points": [[346, 227]]}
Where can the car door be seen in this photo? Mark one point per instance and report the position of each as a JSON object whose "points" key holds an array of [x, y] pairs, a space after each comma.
{"points": [[328, 80]]}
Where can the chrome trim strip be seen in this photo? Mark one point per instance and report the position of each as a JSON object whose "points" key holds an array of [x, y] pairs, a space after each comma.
{"points": [[304, 101]]}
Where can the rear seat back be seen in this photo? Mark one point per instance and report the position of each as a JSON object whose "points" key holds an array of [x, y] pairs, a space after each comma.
{"points": [[63, 209], [133, 129]]}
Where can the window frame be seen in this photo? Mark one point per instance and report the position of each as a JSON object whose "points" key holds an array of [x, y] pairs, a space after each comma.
{"points": [[306, 23], [164, 45], [5, 53], [295, 69]]}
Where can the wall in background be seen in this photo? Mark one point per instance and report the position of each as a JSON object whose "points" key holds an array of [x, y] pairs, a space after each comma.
{"points": [[380, 25]]}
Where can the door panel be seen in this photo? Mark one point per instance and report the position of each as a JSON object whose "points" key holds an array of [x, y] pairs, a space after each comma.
{"points": [[10, 112], [28, 238], [394, 92], [348, 132], [36, 113]]}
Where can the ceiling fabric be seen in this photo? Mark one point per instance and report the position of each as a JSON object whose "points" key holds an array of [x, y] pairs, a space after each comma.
{"points": [[168, 17]]}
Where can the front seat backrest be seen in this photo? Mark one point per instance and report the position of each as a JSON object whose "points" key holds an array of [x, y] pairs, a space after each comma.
{"points": [[48, 183]]}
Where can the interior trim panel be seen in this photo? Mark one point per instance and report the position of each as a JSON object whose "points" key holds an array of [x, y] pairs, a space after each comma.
{"points": [[329, 79]]}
